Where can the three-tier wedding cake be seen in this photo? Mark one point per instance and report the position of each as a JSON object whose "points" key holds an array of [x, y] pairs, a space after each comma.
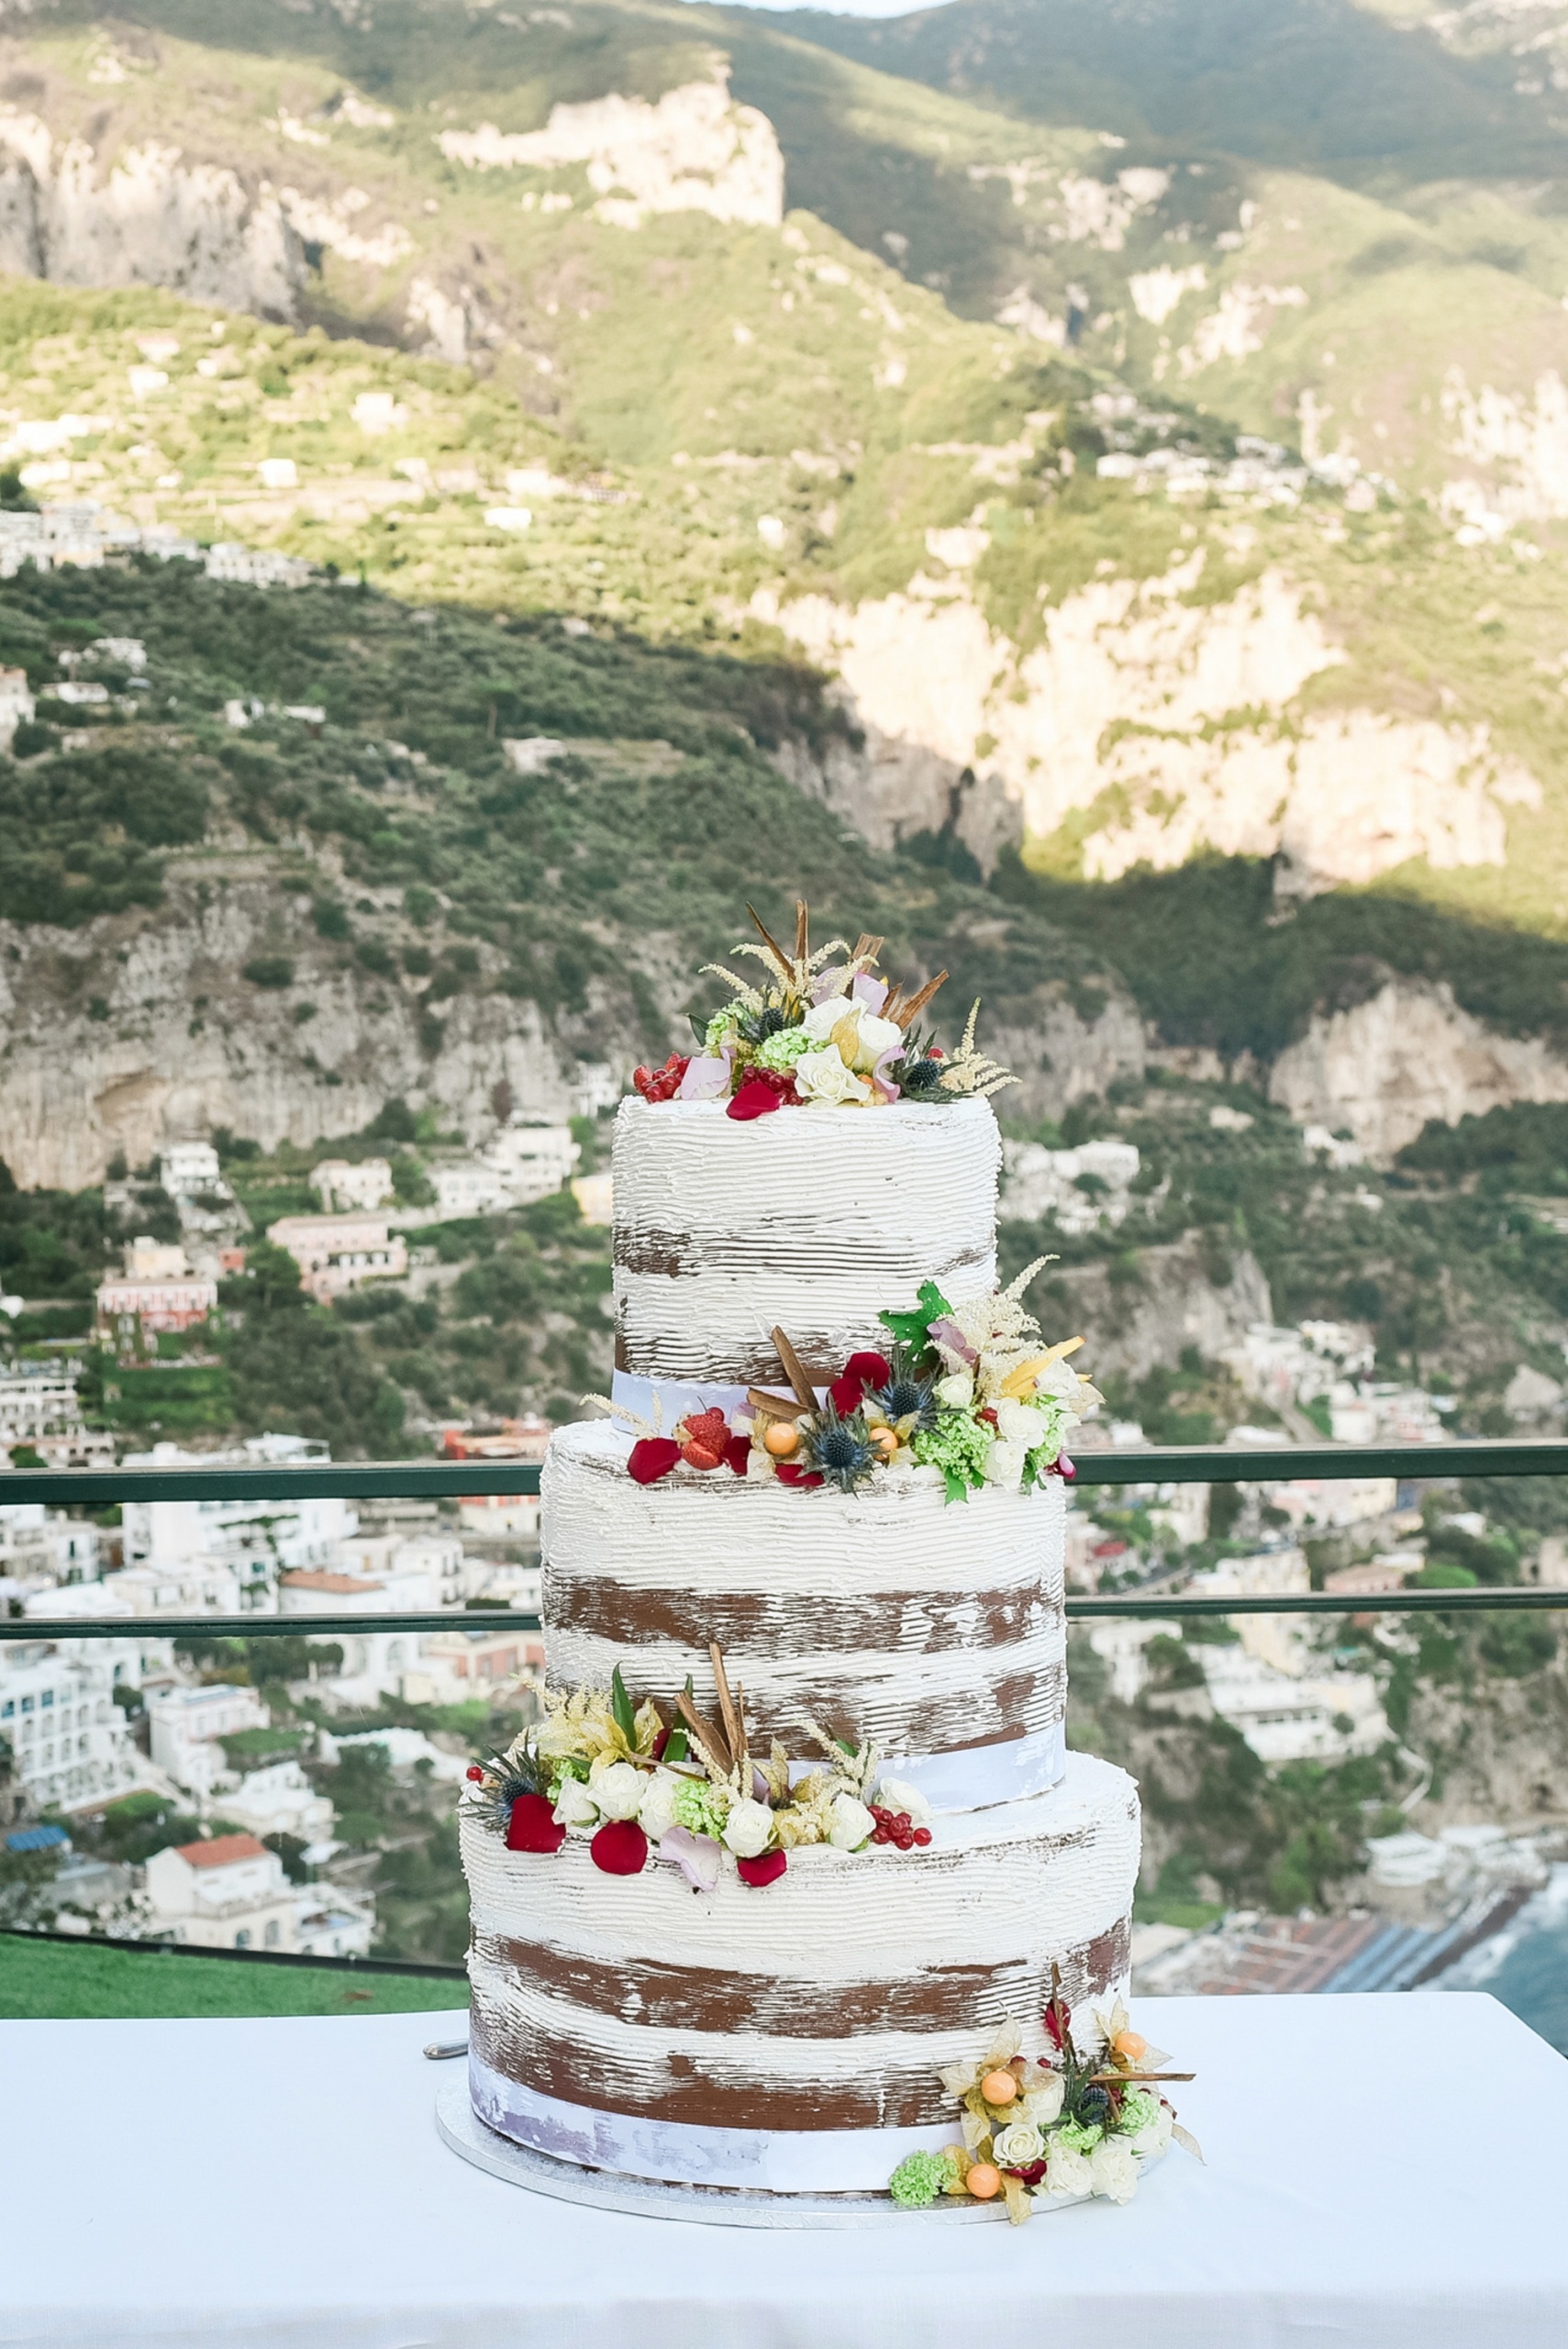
{"points": [[799, 1828]]}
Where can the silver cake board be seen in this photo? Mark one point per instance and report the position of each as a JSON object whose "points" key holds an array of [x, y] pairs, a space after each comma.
{"points": [[707, 2205]]}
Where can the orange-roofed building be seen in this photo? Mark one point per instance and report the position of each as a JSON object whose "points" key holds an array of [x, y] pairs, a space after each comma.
{"points": [[228, 1893]]}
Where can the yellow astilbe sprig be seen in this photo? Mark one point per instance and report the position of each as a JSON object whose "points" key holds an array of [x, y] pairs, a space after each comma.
{"points": [[969, 1072], [854, 1768], [582, 1727]]}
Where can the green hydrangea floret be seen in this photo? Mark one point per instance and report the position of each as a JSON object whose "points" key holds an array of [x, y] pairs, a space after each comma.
{"points": [[700, 1808], [918, 2179], [958, 1445], [721, 1025], [566, 1765], [1140, 2111], [782, 1050], [1078, 2136]]}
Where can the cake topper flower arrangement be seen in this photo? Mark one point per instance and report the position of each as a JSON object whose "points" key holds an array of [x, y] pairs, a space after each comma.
{"points": [[685, 1789], [1072, 2124], [964, 1393], [814, 1029]]}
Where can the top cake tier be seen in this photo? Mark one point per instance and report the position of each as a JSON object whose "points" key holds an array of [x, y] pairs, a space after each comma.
{"points": [[812, 1220]]}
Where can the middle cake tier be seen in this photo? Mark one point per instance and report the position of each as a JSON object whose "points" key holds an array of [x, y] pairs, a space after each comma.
{"points": [[934, 1629]]}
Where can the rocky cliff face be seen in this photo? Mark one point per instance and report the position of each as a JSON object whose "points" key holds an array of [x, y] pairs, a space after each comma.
{"points": [[1409, 1053], [1160, 723], [133, 1032], [1174, 1302], [152, 218]]}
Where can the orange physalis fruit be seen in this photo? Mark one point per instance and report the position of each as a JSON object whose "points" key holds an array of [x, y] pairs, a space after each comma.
{"points": [[780, 1439], [1131, 2044], [983, 2180], [998, 2087]]}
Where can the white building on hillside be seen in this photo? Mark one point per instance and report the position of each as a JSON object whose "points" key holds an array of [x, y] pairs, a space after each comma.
{"points": [[232, 1893], [250, 1544], [16, 703], [189, 1166], [69, 1741], [343, 1185], [522, 1162], [1082, 1187], [1295, 1717], [186, 1725]]}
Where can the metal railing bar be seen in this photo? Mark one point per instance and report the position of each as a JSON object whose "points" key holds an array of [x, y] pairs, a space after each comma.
{"points": [[1138, 1604], [452, 1479], [423, 1970]]}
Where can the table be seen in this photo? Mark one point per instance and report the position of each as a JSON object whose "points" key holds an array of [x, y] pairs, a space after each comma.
{"points": [[1383, 2173]]}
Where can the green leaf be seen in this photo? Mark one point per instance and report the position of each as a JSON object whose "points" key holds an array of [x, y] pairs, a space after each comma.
{"points": [[699, 1029], [679, 1746], [913, 1328], [622, 1708], [958, 1486]]}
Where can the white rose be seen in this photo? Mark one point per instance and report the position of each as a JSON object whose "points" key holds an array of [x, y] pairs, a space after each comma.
{"points": [[1067, 2171], [574, 1806], [956, 1390], [875, 1037], [617, 1789], [895, 1795], [1112, 2170], [1020, 1423], [1041, 2103], [853, 1822], [822, 1076], [1018, 2143], [657, 1815], [1004, 1466], [823, 1017], [749, 1829], [1156, 2135]]}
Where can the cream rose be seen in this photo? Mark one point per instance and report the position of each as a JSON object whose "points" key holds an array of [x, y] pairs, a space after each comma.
{"points": [[749, 1829], [617, 1789], [852, 1823], [1042, 2101], [956, 1390], [574, 1806], [1155, 2135], [1021, 1423], [1018, 2143], [822, 1076], [896, 1794], [1005, 1465], [1067, 2172], [875, 1036], [657, 1815], [1113, 2169]]}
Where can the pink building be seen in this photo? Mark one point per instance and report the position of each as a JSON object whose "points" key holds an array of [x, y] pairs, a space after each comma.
{"points": [[158, 1289], [335, 1252]]}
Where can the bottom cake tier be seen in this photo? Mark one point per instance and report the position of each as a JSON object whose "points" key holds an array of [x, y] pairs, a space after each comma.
{"points": [[787, 2036]]}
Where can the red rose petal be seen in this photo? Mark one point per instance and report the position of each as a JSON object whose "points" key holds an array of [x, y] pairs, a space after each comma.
{"points": [[753, 1100], [738, 1451], [533, 1826], [790, 1473], [863, 1370], [651, 1457], [620, 1848], [767, 1869]]}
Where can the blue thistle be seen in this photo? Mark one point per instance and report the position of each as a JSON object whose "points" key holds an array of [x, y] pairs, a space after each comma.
{"points": [[838, 1447], [907, 1401]]}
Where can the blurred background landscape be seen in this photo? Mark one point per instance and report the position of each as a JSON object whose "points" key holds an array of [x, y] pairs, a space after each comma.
{"points": [[1081, 490]]}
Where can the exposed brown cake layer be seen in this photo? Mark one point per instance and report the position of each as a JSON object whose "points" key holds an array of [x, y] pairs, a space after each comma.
{"points": [[731, 2087]]}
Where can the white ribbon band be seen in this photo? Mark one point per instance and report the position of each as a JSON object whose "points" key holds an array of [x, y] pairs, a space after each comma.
{"points": [[781, 2161], [677, 1402]]}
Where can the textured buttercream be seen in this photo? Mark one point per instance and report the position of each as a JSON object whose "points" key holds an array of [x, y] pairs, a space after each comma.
{"points": [[813, 1220], [889, 1613]]}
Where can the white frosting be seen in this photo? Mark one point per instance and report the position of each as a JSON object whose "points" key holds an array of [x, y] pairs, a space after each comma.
{"points": [[998, 1895], [812, 1220], [890, 1612]]}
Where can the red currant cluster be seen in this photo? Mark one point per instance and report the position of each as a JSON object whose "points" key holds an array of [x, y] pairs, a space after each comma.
{"points": [[662, 1083], [898, 1828]]}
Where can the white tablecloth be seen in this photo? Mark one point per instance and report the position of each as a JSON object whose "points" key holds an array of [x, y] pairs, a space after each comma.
{"points": [[1383, 2173]]}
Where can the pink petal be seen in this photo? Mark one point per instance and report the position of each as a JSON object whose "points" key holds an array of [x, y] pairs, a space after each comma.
{"points": [[705, 1078], [951, 1339], [879, 1076], [697, 1856], [868, 989]]}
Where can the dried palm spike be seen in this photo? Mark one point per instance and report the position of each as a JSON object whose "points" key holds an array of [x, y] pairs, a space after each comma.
{"points": [[867, 948], [917, 1001], [795, 1371], [780, 959], [801, 931], [775, 1406], [735, 1735], [710, 1738]]}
